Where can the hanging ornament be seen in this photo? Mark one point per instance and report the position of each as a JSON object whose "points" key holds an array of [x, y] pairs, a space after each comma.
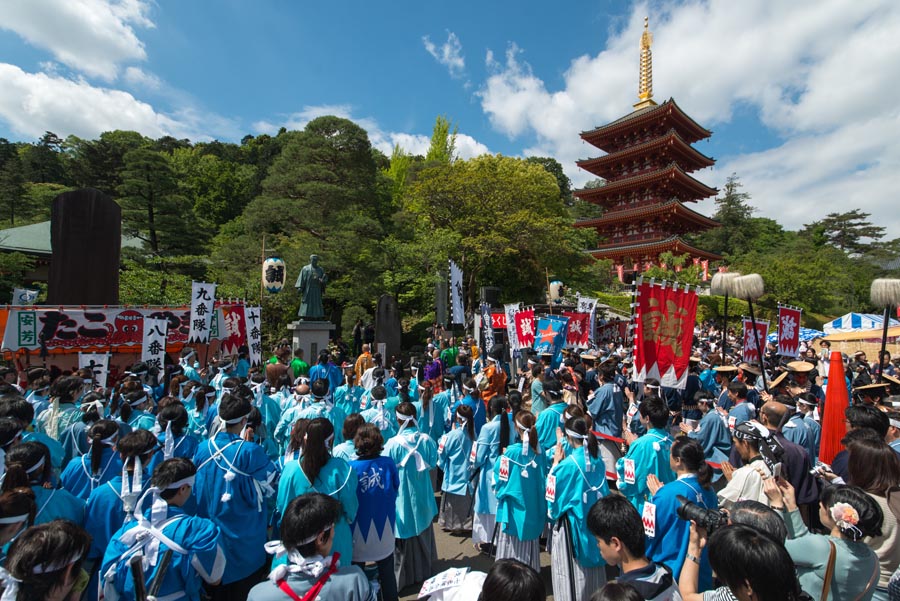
{"points": [[273, 272]]}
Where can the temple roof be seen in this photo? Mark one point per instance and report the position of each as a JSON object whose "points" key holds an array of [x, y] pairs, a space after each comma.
{"points": [[691, 158], [671, 207], [673, 244], [668, 112], [673, 175]]}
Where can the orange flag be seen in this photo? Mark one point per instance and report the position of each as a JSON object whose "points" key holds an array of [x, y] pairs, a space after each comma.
{"points": [[836, 402]]}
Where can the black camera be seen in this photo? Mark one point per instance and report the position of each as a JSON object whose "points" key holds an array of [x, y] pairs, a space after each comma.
{"points": [[705, 518]]}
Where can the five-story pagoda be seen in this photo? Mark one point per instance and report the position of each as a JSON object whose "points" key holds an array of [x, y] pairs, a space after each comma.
{"points": [[646, 167]]}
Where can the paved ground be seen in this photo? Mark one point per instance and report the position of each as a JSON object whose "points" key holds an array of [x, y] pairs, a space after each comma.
{"points": [[456, 552]]}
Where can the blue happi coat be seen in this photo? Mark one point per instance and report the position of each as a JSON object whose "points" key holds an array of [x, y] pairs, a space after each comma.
{"points": [[415, 454], [521, 504], [650, 454]]}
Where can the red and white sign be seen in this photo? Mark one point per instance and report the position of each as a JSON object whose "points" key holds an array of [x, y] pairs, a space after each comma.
{"points": [[629, 471], [789, 331], [664, 331], [579, 329], [550, 491], [648, 516], [498, 321], [751, 353], [504, 468], [525, 328]]}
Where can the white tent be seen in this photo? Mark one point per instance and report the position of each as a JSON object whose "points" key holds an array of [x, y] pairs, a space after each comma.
{"points": [[854, 322]]}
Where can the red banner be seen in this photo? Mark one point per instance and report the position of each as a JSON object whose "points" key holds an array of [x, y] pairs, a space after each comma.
{"points": [[751, 353], [705, 264], [613, 330], [234, 334], [664, 319], [525, 327], [498, 321], [789, 331], [579, 329]]}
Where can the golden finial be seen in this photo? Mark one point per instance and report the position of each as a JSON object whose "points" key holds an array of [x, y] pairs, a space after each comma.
{"points": [[645, 81]]}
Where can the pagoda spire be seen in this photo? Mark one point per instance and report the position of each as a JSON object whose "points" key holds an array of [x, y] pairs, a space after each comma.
{"points": [[645, 80]]}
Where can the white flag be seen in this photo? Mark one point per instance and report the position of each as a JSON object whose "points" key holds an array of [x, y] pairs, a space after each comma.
{"points": [[153, 350], [203, 300], [589, 305], [457, 308], [254, 336], [97, 363], [24, 296], [511, 332]]}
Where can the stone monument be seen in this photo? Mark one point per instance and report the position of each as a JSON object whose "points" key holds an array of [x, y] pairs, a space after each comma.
{"points": [[387, 326], [312, 331], [86, 238]]}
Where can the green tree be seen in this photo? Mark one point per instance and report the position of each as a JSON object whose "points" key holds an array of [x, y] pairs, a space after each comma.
{"points": [[847, 231], [152, 208], [678, 268], [13, 268], [737, 231], [443, 142], [504, 219], [44, 161], [562, 180], [98, 163], [219, 189], [12, 189]]}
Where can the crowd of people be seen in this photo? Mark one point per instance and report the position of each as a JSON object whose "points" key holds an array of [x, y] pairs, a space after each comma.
{"points": [[304, 481]]}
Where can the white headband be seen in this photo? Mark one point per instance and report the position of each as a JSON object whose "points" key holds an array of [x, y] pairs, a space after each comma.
{"points": [[310, 539], [43, 568], [143, 399], [36, 466], [576, 435], [894, 423], [234, 420], [176, 485], [467, 389], [15, 519]]}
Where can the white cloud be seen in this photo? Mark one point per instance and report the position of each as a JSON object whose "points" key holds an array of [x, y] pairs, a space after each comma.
{"points": [[819, 74], [33, 103], [466, 146], [448, 54], [90, 36], [139, 78]]}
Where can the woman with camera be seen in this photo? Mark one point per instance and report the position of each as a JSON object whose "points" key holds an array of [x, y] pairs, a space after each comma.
{"points": [[837, 566], [666, 524]]}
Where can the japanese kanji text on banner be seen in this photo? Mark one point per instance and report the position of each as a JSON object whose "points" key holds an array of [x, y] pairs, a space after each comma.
{"points": [[751, 352], [664, 319], [153, 349], [457, 309], [97, 363], [525, 328], [203, 298], [510, 311], [789, 331], [254, 335]]}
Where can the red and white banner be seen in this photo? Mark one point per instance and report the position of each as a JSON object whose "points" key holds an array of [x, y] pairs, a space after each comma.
{"points": [[579, 329], [498, 321], [751, 352], [83, 328], [664, 319], [612, 330], [234, 325], [525, 328], [789, 331], [705, 264]]}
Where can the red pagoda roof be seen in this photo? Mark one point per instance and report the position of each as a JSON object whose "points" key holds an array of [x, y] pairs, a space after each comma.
{"points": [[671, 207], [603, 137], [690, 158], [673, 244], [672, 175]]}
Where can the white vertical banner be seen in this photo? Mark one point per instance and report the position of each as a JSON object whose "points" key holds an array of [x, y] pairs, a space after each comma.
{"points": [[203, 300], [153, 348], [457, 308], [254, 335], [589, 305], [511, 333], [97, 364], [24, 296]]}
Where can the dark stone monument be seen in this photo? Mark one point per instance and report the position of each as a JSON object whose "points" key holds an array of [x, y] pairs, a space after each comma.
{"points": [[441, 292], [387, 326], [86, 238]]}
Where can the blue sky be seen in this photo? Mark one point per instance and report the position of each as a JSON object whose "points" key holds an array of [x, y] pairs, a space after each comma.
{"points": [[801, 95]]}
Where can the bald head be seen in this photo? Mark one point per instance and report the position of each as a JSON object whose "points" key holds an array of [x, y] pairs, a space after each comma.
{"points": [[774, 412]]}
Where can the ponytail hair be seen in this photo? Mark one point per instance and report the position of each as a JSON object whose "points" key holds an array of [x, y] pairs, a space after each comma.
{"points": [[465, 412], [18, 501], [580, 426], [103, 430], [403, 390], [316, 453], [27, 464], [498, 406], [427, 395], [175, 414], [298, 434], [514, 401], [526, 420], [690, 452], [89, 411]]}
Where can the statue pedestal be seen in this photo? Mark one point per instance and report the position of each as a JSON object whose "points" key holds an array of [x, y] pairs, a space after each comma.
{"points": [[311, 336]]}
